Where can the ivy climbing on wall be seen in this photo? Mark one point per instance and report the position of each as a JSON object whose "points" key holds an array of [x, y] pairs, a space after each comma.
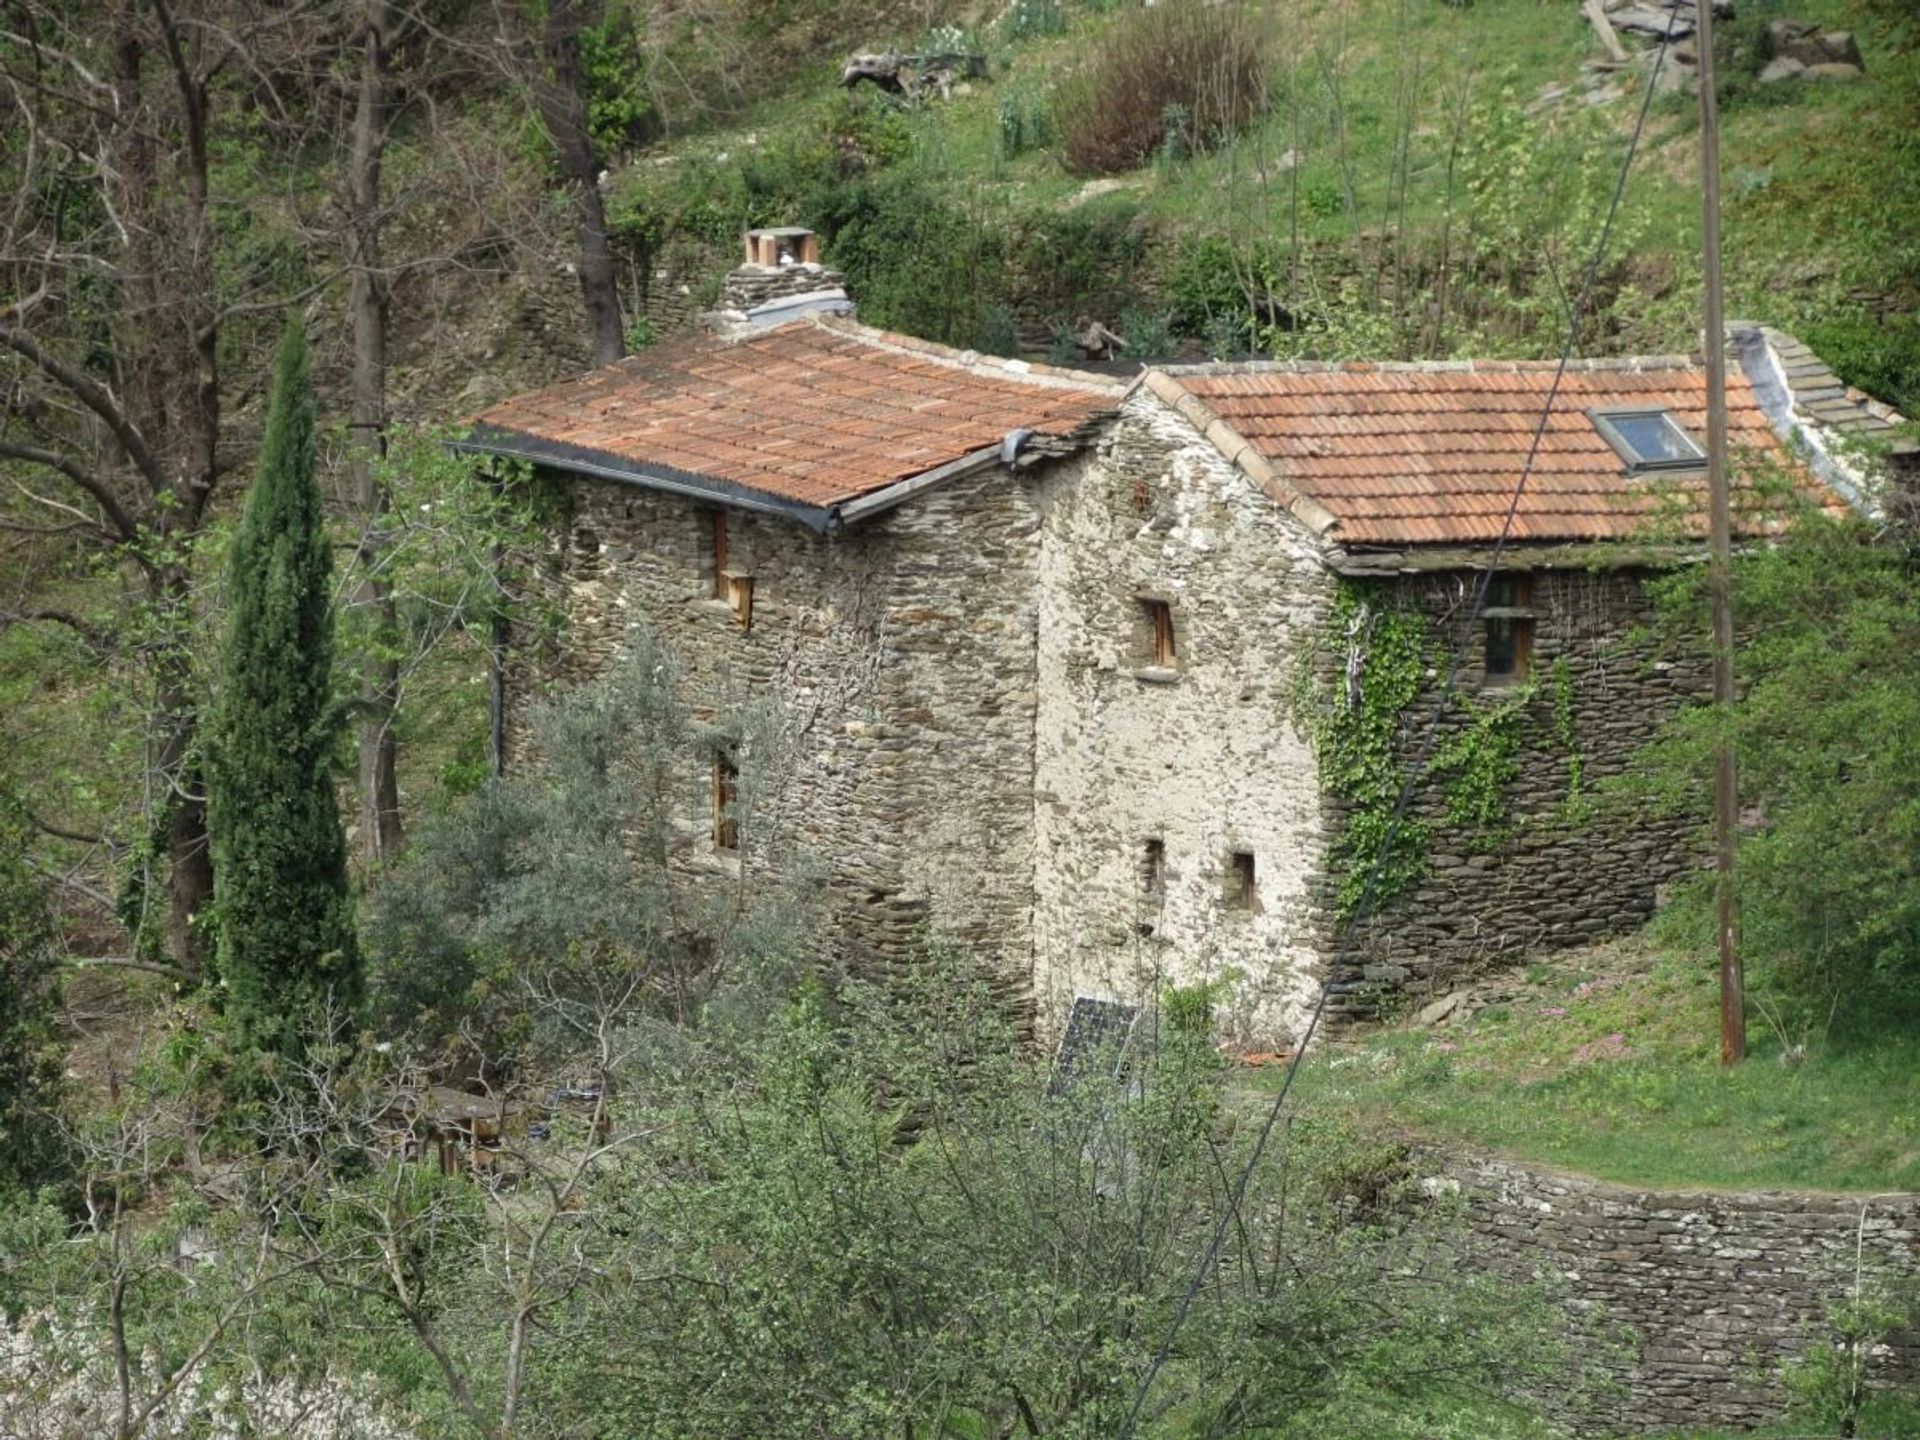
{"points": [[1380, 650], [1356, 692]]}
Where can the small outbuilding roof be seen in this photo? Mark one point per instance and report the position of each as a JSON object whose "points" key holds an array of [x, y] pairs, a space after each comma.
{"points": [[1420, 454], [806, 418]]}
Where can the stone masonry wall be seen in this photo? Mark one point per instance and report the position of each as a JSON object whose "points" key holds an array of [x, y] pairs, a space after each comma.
{"points": [[1688, 1301], [1200, 756], [899, 657], [1550, 873]]}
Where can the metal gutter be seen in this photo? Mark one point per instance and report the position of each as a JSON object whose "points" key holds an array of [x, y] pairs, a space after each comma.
{"points": [[513, 445]]}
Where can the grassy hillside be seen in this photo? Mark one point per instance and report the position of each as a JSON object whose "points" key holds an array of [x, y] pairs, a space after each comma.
{"points": [[1425, 179], [1607, 1061]]}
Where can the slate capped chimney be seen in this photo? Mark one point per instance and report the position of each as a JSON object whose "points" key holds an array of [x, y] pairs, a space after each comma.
{"points": [[781, 278]]}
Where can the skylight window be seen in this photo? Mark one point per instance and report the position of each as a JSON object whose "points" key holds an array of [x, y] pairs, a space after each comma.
{"points": [[1648, 439]]}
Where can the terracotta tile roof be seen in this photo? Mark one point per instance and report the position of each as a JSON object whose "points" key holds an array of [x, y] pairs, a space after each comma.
{"points": [[1431, 454], [816, 412]]}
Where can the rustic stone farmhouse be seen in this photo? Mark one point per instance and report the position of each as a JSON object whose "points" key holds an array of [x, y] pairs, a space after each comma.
{"points": [[1075, 671]]}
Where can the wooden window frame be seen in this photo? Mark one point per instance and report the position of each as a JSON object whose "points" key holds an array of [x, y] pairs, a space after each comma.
{"points": [[1161, 647], [739, 596], [726, 802], [1508, 626]]}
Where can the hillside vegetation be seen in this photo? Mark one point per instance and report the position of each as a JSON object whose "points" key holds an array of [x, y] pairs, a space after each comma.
{"points": [[1417, 180], [1607, 1061]]}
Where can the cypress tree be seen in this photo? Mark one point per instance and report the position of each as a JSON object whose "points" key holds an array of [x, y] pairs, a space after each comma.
{"points": [[286, 954]]}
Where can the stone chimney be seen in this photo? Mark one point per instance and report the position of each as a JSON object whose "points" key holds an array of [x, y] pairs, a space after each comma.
{"points": [[781, 278]]}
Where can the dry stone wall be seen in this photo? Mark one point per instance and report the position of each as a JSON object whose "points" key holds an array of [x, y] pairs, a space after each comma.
{"points": [[1198, 757], [1689, 1301], [1556, 869], [898, 658]]}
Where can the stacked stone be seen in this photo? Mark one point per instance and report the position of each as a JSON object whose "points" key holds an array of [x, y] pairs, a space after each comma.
{"points": [[1711, 1291], [1553, 877], [750, 286]]}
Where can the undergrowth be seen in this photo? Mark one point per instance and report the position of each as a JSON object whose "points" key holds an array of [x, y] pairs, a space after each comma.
{"points": [[1607, 1061]]}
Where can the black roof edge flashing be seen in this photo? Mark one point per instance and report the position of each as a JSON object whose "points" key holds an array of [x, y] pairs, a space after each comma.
{"points": [[516, 445]]}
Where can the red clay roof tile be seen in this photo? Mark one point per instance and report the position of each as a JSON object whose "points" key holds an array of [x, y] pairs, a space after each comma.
{"points": [[816, 411], [1432, 455]]}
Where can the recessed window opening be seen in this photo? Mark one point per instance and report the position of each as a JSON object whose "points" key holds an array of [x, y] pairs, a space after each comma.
{"points": [[1242, 889], [1648, 439], [1153, 870], [717, 551], [1509, 621], [726, 797], [1161, 648]]}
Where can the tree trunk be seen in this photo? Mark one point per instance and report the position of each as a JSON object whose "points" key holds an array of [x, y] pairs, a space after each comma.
{"points": [[379, 821], [183, 806], [563, 105], [169, 355]]}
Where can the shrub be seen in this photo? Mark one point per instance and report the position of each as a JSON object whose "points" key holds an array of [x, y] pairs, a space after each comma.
{"points": [[1882, 357], [1032, 20], [1206, 64]]}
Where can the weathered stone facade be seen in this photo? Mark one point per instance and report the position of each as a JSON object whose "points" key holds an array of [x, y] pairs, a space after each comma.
{"points": [[1198, 758], [1688, 1301], [1074, 712], [982, 747], [1558, 866], [900, 665]]}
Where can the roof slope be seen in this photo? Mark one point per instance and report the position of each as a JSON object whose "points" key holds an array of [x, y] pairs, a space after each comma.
{"points": [[1420, 454], [814, 413]]}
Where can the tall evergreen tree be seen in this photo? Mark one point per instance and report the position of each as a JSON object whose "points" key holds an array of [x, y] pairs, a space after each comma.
{"points": [[287, 955]]}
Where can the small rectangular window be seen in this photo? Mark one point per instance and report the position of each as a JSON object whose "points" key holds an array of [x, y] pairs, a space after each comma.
{"points": [[1648, 439], [1509, 621], [740, 597], [1242, 889], [726, 797], [1161, 651], [717, 551], [1153, 870]]}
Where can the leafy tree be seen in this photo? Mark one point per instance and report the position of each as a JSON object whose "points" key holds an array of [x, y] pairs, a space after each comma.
{"points": [[1827, 735], [287, 952], [30, 1149], [567, 881]]}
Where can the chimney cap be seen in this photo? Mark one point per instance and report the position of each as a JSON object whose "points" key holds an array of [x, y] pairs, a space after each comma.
{"points": [[782, 244]]}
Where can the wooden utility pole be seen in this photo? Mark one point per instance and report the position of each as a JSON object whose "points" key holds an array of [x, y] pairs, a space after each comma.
{"points": [[1733, 987]]}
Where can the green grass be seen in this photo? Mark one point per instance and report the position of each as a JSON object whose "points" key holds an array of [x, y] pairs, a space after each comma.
{"points": [[1884, 1418], [1608, 1063], [1360, 164]]}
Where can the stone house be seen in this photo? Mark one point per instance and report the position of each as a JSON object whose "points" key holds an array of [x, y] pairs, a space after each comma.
{"points": [[1063, 662]]}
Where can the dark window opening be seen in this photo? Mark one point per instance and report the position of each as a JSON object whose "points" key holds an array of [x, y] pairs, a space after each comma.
{"points": [[726, 795], [1648, 439], [1153, 870], [1243, 891], [1160, 649], [1509, 621]]}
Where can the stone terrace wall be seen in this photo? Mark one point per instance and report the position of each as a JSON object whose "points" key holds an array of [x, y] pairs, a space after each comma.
{"points": [[899, 655], [1689, 1300], [1550, 876]]}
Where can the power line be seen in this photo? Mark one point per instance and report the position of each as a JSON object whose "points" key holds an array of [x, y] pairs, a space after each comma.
{"points": [[1424, 753]]}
